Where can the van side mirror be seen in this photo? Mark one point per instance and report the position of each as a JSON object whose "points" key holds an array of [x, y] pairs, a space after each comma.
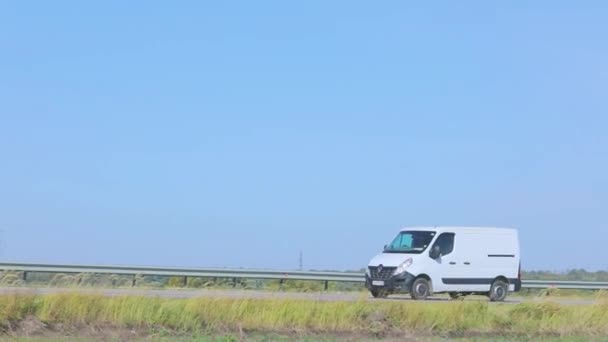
{"points": [[385, 246], [435, 252]]}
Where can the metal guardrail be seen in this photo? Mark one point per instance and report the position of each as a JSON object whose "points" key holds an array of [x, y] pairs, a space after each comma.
{"points": [[565, 284], [186, 273]]}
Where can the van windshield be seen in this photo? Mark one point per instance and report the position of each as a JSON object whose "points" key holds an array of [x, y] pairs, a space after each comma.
{"points": [[411, 241]]}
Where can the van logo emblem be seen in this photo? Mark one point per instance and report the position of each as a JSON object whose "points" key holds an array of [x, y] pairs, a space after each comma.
{"points": [[380, 267]]}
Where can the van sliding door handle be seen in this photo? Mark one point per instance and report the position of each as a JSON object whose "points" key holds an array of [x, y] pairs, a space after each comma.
{"points": [[467, 263], [452, 263]]}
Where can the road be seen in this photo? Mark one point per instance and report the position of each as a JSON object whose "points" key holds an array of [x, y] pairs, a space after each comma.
{"points": [[253, 294]]}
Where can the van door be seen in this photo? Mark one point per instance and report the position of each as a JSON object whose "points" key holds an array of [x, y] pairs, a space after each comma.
{"points": [[447, 266], [474, 271]]}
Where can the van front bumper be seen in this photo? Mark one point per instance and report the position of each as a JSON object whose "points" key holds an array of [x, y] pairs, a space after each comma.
{"points": [[396, 283]]}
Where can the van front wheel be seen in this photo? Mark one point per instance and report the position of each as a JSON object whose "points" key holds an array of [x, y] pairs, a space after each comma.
{"points": [[421, 289], [498, 291]]}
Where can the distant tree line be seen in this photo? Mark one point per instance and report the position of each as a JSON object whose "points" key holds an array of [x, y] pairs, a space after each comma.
{"points": [[573, 275]]}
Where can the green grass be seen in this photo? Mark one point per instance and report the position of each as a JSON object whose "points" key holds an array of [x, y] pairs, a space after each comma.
{"points": [[317, 338], [301, 317], [200, 338]]}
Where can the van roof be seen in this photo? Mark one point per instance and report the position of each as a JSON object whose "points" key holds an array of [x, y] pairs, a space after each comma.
{"points": [[461, 228]]}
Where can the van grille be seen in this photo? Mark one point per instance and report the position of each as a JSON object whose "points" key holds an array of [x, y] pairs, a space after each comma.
{"points": [[385, 273]]}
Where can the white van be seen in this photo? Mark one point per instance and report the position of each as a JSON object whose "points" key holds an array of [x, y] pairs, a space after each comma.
{"points": [[457, 260]]}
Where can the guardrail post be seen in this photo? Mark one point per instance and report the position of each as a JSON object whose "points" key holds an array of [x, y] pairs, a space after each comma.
{"points": [[24, 276], [326, 285], [185, 281], [134, 281], [233, 282]]}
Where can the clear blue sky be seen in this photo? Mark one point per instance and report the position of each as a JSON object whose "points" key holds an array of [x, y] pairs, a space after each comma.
{"points": [[239, 133]]}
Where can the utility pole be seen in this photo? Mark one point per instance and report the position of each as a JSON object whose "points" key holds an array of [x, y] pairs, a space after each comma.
{"points": [[301, 261]]}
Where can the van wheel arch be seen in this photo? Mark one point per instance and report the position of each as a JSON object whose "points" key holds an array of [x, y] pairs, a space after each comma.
{"points": [[502, 278], [425, 276]]}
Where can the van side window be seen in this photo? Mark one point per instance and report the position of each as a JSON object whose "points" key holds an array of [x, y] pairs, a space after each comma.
{"points": [[445, 242]]}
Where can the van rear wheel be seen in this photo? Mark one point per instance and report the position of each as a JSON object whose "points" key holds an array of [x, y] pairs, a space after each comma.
{"points": [[498, 291], [421, 289]]}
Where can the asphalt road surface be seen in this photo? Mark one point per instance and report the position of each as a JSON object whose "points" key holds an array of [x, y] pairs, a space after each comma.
{"points": [[252, 294]]}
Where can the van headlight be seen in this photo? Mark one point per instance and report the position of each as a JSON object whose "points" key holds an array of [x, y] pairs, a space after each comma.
{"points": [[403, 267]]}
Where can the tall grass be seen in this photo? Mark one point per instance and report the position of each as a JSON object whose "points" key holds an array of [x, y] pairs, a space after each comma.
{"points": [[307, 316]]}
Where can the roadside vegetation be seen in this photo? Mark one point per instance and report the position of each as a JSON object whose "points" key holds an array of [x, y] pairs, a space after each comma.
{"points": [[40, 279], [228, 338], [69, 313], [571, 275]]}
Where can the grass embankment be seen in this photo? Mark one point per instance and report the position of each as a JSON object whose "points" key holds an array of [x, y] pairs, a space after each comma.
{"points": [[370, 318]]}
